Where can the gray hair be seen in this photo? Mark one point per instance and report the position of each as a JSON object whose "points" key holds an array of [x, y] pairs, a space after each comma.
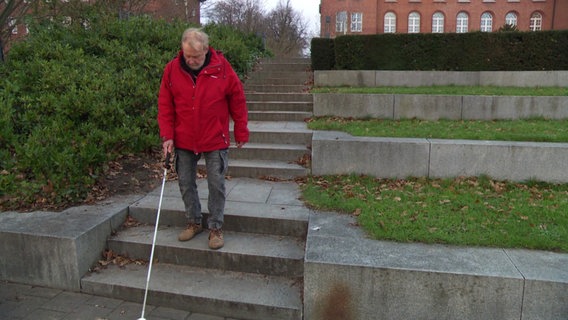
{"points": [[195, 38]]}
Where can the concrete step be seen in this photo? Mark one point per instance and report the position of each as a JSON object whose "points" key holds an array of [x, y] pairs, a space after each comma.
{"points": [[279, 115], [282, 137], [282, 66], [277, 60], [279, 132], [243, 252], [276, 73], [265, 169], [245, 209], [279, 97], [276, 88], [269, 151], [279, 81], [207, 291], [274, 105]]}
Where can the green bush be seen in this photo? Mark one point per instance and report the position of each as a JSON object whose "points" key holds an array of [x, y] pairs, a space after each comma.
{"points": [[74, 98], [473, 51], [322, 54]]}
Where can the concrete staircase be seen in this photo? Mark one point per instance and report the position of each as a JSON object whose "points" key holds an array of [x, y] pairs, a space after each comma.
{"points": [[278, 101], [258, 274]]}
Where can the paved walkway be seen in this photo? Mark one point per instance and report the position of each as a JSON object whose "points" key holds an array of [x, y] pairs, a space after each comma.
{"points": [[18, 301]]}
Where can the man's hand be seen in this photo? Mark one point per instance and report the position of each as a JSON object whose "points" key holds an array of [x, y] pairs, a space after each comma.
{"points": [[240, 144], [168, 146]]}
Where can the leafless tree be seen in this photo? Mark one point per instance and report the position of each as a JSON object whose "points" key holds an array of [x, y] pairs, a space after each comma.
{"points": [[284, 29], [244, 15], [287, 33]]}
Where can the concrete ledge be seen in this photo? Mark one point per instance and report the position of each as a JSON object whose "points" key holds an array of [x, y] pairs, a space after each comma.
{"points": [[55, 249], [516, 161], [350, 275], [340, 153], [435, 107], [375, 78]]}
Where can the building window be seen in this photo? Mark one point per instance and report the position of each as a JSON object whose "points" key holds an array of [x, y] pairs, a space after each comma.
{"points": [[462, 22], [511, 19], [438, 22], [486, 22], [414, 22], [390, 22], [341, 22], [536, 22], [356, 22]]}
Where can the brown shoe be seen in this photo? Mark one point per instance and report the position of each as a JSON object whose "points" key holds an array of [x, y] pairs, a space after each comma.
{"points": [[216, 239], [192, 230]]}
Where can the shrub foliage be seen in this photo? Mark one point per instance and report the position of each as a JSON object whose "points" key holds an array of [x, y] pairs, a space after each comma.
{"points": [[473, 51], [73, 98]]}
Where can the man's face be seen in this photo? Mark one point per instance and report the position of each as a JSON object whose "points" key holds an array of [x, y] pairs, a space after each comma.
{"points": [[193, 58]]}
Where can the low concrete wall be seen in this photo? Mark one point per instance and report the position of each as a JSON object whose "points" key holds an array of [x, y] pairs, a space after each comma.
{"points": [[340, 153], [349, 276], [435, 107], [56, 249], [377, 78]]}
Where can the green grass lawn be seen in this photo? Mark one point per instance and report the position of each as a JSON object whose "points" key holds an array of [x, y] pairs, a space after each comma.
{"points": [[539, 130], [460, 211]]}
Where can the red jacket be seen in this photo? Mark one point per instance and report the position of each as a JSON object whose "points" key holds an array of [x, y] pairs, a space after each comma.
{"points": [[196, 114]]}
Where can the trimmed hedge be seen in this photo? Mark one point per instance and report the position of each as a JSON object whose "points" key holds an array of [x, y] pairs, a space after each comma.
{"points": [[322, 53], [474, 51]]}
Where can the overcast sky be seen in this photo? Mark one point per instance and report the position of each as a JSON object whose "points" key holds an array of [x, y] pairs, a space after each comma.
{"points": [[308, 8]]}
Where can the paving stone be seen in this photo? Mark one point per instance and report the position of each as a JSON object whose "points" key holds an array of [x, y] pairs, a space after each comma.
{"points": [[45, 314], [169, 313]]}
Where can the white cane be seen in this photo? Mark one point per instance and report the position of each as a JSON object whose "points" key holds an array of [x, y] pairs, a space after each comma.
{"points": [[166, 167]]}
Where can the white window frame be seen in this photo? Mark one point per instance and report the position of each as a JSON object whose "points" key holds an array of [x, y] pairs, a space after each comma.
{"points": [[356, 22], [486, 22], [535, 22], [414, 22], [462, 22], [438, 22], [341, 22], [390, 22]]}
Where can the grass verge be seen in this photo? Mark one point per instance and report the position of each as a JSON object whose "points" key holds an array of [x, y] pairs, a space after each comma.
{"points": [[537, 130], [461, 211]]}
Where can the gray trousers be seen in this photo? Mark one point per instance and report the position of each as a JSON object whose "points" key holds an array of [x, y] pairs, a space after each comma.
{"points": [[216, 163]]}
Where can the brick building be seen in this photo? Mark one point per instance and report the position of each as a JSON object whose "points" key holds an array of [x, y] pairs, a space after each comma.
{"points": [[187, 10], [413, 16]]}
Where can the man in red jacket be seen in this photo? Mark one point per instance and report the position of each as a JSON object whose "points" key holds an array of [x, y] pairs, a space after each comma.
{"points": [[199, 92]]}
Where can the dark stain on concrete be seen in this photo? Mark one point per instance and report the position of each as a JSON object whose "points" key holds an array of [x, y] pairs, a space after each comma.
{"points": [[336, 304]]}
